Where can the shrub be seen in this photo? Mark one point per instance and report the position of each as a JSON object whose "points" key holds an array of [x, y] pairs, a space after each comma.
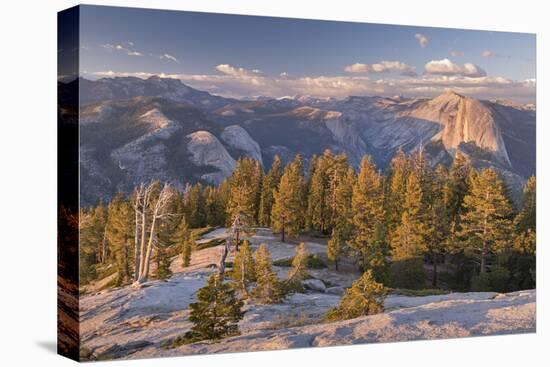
{"points": [[313, 261], [365, 297]]}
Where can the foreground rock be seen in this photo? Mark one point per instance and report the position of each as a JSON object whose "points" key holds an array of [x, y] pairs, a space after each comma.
{"points": [[126, 322], [465, 315]]}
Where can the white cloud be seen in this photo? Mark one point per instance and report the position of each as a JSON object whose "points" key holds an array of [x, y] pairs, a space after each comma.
{"points": [[382, 67], [357, 68], [239, 82], [456, 53], [422, 39], [169, 57], [448, 68], [488, 53], [119, 47]]}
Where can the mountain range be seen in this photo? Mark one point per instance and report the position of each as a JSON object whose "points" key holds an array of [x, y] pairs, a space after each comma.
{"points": [[133, 130]]}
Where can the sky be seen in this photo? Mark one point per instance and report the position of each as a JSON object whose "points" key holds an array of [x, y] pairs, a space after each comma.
{"points": [[245, 56]]}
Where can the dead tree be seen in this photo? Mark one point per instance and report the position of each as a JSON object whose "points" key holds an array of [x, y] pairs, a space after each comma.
{"points": [[138, 209], [158, 212]]}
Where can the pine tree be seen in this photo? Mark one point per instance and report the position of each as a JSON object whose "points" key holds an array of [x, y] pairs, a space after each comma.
{"points": [[438, 229], [456, 189], [195, 206], [525, 222], [526, 219], [93, 240], [298, 271], [368, 219], [365, 297], [216, 313], [244, 272], [343, 218], [244, 193], [408, 240], [397, 187], [336, 171], [485, 224], [268, 287], [269, 184], [215, 207], [287, 215], [183, 239], [317, 215], [120, 228]]}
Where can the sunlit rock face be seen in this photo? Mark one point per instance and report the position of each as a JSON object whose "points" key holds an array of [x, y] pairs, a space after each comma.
{"points": [[135, 130]]}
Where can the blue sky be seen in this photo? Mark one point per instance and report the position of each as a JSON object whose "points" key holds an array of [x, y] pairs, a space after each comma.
{"points": [[244, 56]]}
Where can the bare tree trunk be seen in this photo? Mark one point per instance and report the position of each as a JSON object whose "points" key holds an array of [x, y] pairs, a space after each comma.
{"points": [[145, 273], [143, 242], [221, 267], [136, 245], [157, 214]]}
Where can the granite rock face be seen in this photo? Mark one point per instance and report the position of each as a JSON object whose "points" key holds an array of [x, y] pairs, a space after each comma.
{"points": [[135, 130]]}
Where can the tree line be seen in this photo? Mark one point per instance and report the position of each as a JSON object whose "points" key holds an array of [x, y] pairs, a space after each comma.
{"points": [[456, 225]]}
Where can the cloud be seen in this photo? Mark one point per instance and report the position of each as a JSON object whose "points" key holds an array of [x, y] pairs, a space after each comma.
{"points": [[456, 53], [169, 57], [382, 67], [232, 81], [447, 67], [122, 48], [357, 68], [488, 53], [422, 39], [236, 71]]}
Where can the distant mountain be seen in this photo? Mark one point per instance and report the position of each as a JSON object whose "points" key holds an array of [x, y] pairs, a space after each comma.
{"points": [[135, 130], [129, 87]]}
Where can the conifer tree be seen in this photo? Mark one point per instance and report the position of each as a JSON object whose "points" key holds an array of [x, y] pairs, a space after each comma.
{"points": [[368, 219], [336, 171], [485, 224], [298, 271], [438, 229], [287, 215], [365, 297], [268, 287], [216, 313], [195, 206], [343, 218], [244, 192], [183, 239], [215, 207], [408, 240], [526, 219], [269, 185], [120, 228], [244, 271], [455, 190], [317, 215], [397, 187]]}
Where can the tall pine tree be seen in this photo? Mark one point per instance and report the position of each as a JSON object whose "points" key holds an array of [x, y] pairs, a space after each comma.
{"points": [[287, 215], [368, 219], [485, 223], [342, 229], [269, 185]]}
